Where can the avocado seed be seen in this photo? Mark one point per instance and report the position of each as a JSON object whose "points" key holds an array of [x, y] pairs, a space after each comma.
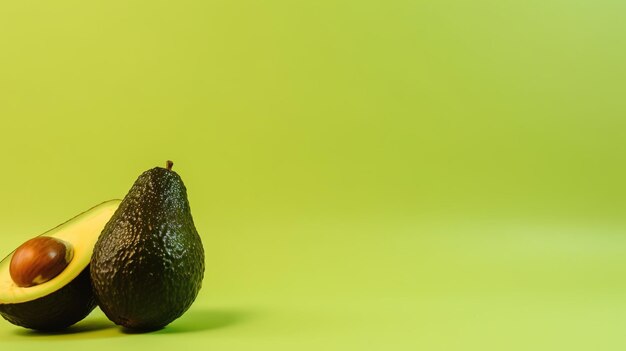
{"points": [[38, 260]]}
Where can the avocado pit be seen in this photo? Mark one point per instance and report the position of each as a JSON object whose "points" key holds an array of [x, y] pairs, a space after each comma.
{"points": [[39, 260]]}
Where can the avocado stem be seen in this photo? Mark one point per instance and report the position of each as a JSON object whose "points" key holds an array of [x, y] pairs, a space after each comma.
{"points": [[169, 164]]}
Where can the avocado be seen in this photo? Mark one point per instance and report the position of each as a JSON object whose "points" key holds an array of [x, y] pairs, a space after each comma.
{"points": [[67, 297], [148, 263]]}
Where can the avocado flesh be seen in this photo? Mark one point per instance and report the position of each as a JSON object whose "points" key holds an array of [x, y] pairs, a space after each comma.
{"points": [[68, 297], [148, 264]]}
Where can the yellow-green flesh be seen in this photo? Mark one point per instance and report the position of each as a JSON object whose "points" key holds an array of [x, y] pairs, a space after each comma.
{"points": [[81, 232]]}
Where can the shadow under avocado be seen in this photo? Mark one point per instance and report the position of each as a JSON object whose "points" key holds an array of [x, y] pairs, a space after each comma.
{"points": [[85, 326], [198, 319], [194, 320]]}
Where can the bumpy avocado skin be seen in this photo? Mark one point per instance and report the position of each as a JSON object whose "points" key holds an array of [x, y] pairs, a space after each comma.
{"points": [[56, 311], [148, 264]]}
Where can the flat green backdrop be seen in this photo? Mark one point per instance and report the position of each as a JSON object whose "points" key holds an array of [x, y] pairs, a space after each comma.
{"points": [[365, 175]]}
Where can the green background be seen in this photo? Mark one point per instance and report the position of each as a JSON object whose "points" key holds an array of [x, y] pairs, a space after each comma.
{"points": [[367, 175]]}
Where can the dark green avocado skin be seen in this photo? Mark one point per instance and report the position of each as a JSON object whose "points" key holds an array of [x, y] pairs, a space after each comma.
{"points": [[148, 264], [56, 311]]}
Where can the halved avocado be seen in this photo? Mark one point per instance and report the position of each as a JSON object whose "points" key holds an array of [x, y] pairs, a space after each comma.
{"points": [[68, 297]]}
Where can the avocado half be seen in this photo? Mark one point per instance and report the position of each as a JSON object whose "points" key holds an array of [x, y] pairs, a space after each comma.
{"points": [[68, 297]]}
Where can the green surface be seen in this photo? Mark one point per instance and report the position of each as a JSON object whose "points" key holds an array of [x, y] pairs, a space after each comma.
{"points": [[391, 175]]}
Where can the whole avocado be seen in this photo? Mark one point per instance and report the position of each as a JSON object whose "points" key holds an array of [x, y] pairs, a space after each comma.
{"points": [[148, 264]]}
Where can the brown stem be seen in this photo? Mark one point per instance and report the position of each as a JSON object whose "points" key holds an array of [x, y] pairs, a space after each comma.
{"points": [[169, 164]]}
